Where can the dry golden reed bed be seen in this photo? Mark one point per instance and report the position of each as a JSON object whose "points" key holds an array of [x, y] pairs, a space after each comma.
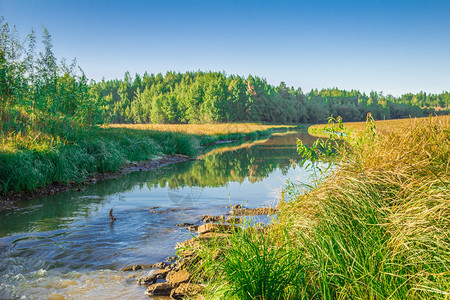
{"points": [[200, 129], [385, 126]]}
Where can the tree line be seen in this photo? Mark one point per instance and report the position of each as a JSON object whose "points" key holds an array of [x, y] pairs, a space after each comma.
{"points": [[35, 87], [203, 97]]}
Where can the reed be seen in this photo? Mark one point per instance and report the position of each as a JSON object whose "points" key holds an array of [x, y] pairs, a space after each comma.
{"points": [[379, 227], [383, 126]]}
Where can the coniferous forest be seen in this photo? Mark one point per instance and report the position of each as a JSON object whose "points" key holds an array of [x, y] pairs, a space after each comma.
{"points": [[35, 87]]}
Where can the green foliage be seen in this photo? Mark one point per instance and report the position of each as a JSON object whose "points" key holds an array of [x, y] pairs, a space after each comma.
{"points": [[323, 149], [71, 154], [36, 87], [198, 97]]}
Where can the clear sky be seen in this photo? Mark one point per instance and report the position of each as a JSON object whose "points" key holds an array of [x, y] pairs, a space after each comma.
{"points": [[394, 46]]}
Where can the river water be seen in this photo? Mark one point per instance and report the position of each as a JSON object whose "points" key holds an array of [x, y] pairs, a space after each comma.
{"points": [[64, 247]]}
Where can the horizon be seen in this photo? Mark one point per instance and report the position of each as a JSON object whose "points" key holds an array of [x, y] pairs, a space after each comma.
{"points": [[394, 48]]}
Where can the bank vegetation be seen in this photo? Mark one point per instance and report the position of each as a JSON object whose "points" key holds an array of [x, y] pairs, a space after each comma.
{"points": [[377, 227]]}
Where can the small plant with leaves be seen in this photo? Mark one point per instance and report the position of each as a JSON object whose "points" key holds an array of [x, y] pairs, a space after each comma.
{"points": [[323, 150]]}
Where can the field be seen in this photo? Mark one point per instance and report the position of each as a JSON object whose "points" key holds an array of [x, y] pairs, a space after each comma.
{"points": [[200, 129], [384, 126]]}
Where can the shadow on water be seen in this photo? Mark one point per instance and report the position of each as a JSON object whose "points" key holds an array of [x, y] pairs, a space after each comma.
{"points": [[71, 232]]}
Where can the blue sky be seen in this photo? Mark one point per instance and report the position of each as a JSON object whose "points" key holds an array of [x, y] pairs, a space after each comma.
{"points": [[394, 46]]}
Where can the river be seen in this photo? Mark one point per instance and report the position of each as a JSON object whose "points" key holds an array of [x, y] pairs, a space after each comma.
{"points": [[64, 247]]}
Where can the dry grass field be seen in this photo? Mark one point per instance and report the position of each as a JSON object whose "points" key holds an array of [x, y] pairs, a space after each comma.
{"points": [[386, 126], [200, 129]]}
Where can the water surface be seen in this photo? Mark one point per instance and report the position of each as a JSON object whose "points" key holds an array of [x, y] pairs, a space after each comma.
{"points": [[64, 245]]}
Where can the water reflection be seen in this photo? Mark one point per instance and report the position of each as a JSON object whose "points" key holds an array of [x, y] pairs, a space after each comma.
{"points": [[253, 161]]}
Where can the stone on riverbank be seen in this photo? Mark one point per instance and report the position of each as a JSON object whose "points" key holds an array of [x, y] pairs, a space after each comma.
{"points": [[192, 228], [234, 220], [186, 261], [171, 259], [184, 225], [160, 265], [253, 211], [212, 219], [220, 219], [177, 277], [159, 289], [207, 237], [186, 289], [202, 229], [153, 276]]}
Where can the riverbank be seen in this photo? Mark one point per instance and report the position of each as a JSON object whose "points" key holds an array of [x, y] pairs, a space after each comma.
{"points": [[178, 276], [376, 228], [54, 188], [63, 158]]}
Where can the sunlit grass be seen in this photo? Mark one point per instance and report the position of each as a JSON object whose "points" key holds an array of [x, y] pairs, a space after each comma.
{"points": [[378, 227], [383, 126]]}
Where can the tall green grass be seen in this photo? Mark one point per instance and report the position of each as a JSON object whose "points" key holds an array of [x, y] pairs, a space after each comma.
{"points": [[255, 265], [378, 227]]}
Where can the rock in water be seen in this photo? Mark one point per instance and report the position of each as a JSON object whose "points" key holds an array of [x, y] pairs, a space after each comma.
{"points": [[132, 268], [111, 216], [153, 276]]}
